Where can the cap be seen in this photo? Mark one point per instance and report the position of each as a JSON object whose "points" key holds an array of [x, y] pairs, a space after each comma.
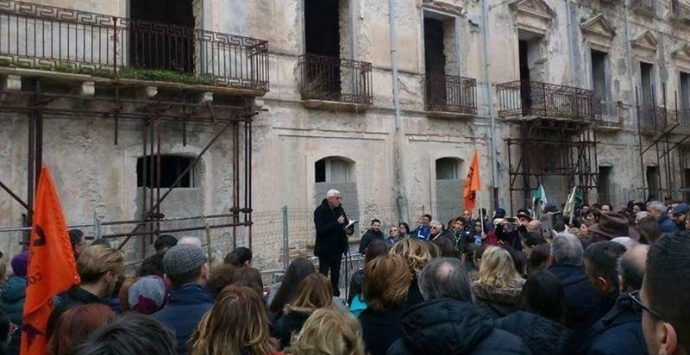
{"points": [[681, 208], [147, 294], [183, 258], [20, 263]]}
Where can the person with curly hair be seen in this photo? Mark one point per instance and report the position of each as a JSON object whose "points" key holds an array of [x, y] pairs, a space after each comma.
{"points": [[329, 332], [416, 254]]}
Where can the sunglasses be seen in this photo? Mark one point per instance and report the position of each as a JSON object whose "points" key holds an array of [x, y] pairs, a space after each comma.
{"points": [[635, 297]]}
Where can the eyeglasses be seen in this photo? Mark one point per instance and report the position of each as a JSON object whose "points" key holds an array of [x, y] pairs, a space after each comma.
{"points": [[635, 296]]}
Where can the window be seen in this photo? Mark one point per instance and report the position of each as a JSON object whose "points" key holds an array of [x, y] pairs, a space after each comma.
{"points": [[647, 83], [171, 167], [600, 75], [440, 60], [332, 170], [685, 91], [604, 184], [447, 169]]}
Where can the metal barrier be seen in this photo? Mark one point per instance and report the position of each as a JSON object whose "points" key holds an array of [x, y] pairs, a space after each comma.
{"points": [[450, 93], [532, 98], [335, 79]]}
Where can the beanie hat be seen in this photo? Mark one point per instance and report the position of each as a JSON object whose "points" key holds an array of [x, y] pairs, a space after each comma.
{"points": [[147, 294], [182, 259], [20, 263]]}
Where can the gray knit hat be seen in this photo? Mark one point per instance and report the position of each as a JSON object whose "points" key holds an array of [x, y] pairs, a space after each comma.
{"points": [[183, 258]]}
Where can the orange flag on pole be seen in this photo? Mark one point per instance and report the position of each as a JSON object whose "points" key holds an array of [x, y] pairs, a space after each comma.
{"points": [[472, 184], [52, 268]]}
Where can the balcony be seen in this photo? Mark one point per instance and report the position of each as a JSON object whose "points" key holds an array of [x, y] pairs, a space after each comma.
{"points": [[680, 11], [608, 115], [644, 6], [656, 120], [525, 99], [450, 96], [335, 84], [124, 49]]}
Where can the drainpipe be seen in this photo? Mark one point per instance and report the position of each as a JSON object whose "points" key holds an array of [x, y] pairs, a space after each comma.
{"points": [[353, 50], [634, 115], [397, 159], [489, 101], [575, 80]]}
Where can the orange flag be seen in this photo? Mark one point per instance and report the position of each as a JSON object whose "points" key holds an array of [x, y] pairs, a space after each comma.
{"points": [[52, 268], [472, 184]]}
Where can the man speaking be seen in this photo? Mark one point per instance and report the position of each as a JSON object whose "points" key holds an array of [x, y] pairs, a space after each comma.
{"points": [[331, 238]]}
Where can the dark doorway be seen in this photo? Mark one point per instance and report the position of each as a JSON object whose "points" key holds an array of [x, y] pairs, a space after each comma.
{"points": [[653, 187], [171, 167], [604, 184], [525, 85], [434, 64], [684, 99], [322, 45], [647, 82], [686, 185], [600, 82], [162, 47]]}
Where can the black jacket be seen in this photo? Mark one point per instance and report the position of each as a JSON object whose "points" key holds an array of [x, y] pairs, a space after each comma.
{"points": [[330, 235], [447, 326], [582, 301], [380, 329], [618, 332], [288, 325], [414, 295], [73, 297], [369, 237], [542, 336]]}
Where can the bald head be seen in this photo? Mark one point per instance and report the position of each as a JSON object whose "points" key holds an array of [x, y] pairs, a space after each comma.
{"points": [[631, 267], [534, 226]]}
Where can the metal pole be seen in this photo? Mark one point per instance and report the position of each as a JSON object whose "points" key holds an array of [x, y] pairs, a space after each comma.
{"points": [[286, 240], [401, 203], [489, 102]]}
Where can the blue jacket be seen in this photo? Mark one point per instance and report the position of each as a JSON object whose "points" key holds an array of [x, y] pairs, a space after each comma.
{"points": [[617, 332], [185, 308], [582, 301], [422, 232], [12, 302], [667, 225]]}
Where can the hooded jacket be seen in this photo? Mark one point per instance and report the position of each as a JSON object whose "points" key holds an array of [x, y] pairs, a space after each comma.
{"points": [[542, 336], [186, 306], [12, 303], [496, 302], [448, 326], [330, 235]]}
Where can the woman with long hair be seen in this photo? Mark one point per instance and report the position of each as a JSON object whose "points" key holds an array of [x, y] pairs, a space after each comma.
{"points": [[298, 270], [499, 285], [236, 325], [329, 332], [416, 254], [541, 316], [314, 293], [75, 325]]}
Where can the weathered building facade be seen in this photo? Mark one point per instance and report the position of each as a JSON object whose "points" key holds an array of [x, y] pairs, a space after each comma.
{"points": [[384, 100]]}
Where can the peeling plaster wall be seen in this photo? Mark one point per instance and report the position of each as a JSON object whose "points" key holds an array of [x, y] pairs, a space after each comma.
{"points": [[288, 139]]}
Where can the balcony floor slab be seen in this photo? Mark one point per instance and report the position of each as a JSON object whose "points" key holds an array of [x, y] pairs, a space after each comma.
{"points": [[335, 105]]}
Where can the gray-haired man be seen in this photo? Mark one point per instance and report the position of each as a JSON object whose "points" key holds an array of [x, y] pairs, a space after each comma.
{"points": [[331, 239]]}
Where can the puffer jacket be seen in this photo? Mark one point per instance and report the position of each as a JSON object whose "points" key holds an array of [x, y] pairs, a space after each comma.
{"points": [[12, 302], [542, 336], [448, 326], [496, 302]]}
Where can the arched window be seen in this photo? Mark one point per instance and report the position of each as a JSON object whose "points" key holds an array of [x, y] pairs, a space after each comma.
{"points": [[171, 167], [333, 170], [448, 169]]}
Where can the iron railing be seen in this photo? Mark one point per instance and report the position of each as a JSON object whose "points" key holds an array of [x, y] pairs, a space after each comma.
{"points": [[531, 98], [608, 113], [680, 10], [643, 5], [655, 119], [52, 38], [335, 79], [450, 93]]}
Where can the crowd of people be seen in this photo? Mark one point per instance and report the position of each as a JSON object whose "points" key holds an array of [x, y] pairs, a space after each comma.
{"points": [[597, 282]]}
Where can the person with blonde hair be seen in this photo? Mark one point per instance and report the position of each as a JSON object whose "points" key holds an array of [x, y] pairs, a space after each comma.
{"points": [[237, 324], [314, 293], [386, 284], [416, 254], [499, 285], [329, 332]]}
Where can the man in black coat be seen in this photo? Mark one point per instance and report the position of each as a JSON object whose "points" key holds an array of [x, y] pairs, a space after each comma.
{"points": [[331, 238], [620, 330], [374, 233], [447, 322], [582, 301]]}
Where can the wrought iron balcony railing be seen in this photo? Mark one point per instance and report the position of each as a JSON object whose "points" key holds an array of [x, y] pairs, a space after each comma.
{"points": [[450, 93], [680, 10], [647, 6], [51, 38], [531, 98], [335, 79], [656, 119]]}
